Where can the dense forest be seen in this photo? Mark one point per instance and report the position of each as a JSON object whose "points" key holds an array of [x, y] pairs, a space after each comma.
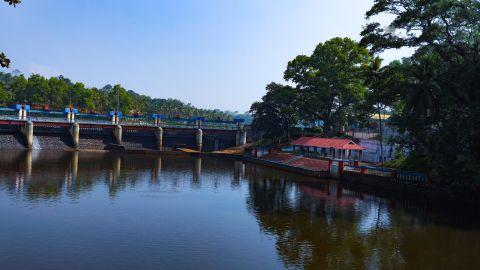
{"points": [[60, 92], [434, 95]]}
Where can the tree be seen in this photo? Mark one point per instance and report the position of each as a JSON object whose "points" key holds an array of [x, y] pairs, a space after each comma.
{"points": [[372, 99], [330, 81], [119, 99], [450, 27], [5, 95], [58, 94], [4, 61], [37, 89], [277, 112], [18, 87], [436, 91]]}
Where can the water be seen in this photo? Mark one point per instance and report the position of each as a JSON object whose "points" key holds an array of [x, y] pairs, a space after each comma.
{"points": [[36, 143], [65, 210]]}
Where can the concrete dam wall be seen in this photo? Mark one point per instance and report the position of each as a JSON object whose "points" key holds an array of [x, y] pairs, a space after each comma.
{"points": [[28, 135]]}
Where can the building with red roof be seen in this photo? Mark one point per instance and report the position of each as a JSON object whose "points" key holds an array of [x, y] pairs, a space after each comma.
{"points": [[329, 147]]}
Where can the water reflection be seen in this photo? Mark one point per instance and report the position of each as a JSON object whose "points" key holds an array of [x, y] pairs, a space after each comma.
{"points": [[77, 172], [156, 170], [314, 224], [325, 226], [197, 171]]}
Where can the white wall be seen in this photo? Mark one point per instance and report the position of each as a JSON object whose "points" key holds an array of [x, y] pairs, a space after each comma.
{"points": [[372, 151]]}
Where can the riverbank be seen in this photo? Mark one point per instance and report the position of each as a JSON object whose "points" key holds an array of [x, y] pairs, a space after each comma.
{"points": [[376, 184]]}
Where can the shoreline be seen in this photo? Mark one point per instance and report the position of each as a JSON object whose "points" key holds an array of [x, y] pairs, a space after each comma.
{"points": [[369, 183]]}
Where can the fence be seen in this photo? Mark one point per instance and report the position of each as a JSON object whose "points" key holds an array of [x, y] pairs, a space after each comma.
{"points": [[399, 176], [413, 178]]}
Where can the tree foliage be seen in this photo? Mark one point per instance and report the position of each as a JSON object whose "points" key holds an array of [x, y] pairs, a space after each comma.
{"points": [[13, 2], [330, 81], [328, 87], [277, 112], [59, 92], [436, 92]]}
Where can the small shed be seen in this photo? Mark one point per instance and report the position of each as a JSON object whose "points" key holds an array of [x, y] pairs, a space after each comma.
{"points": [[329, 147]]}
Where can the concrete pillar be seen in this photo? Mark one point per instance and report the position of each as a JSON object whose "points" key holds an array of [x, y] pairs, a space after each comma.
{"points": [[243, 137], [159, 138], [199, 140], [75, 134], [27, 132], [117, 133], [237, 138]]}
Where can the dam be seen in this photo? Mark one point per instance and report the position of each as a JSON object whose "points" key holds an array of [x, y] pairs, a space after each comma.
{"points": [[48, 132]]}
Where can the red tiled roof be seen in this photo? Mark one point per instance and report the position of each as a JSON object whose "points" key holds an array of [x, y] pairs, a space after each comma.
{"points": [[344, 144]]}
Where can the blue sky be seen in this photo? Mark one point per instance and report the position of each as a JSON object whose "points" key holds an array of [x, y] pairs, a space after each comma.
{"points": [[211, 53]]}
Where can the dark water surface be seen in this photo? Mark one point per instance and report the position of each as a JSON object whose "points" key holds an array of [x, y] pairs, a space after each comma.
{"points": [[64, 210]]}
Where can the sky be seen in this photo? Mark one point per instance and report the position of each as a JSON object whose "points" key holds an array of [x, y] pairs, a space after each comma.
{"points": [[210, 53]]}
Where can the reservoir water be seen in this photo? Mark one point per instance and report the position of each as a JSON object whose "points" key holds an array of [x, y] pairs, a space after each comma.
{"points": [[69, 210]]}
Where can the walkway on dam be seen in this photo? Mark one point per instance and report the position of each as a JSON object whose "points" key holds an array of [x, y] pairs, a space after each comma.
{"points": [[142, 121]]}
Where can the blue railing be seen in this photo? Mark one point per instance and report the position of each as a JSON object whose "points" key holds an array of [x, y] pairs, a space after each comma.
{"points": [[140, 120]]}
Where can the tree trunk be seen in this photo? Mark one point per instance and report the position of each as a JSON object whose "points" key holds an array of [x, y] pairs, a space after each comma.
{"points": [[380, 132]]}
